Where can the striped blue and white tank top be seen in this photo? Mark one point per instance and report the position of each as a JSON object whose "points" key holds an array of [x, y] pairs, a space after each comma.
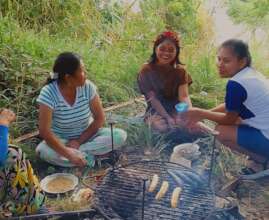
{"points": [[68, 122]]}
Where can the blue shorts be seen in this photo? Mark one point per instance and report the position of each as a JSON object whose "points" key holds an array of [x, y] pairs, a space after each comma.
{"points": [[253, 140]]}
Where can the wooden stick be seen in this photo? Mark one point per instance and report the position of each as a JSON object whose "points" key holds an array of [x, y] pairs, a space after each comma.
{"points": [[110, 108], [113, 107], [26, 136], [231, 185]]}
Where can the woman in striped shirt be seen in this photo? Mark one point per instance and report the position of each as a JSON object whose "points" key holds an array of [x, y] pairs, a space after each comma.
{"points": [[71, 116]]}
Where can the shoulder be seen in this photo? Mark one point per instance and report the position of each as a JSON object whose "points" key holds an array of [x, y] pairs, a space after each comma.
{"points": [[49, 95], [49, 90], [234, 85], [183, 75], [235, 89], [144, 73], [235, 96], [90, 89], [179, 69], [48, 87], [244, 74], [145, 68], [89, 84]]}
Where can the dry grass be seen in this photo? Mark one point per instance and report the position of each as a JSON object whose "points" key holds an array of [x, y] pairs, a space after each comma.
{"points": [[64, 203], [253, 199]]}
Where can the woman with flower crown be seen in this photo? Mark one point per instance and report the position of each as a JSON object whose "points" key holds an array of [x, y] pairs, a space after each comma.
{"points": [[71, 117], [164, 83]]}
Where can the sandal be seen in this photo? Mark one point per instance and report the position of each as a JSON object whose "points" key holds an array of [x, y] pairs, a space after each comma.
{"points": [[254, 167], [247, 171]]}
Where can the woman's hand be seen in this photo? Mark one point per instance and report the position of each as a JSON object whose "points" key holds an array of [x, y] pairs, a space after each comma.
{"points": [[76, 158], [73, 144], [6, 117], [192, 116], [196, 128], [171, 122]]}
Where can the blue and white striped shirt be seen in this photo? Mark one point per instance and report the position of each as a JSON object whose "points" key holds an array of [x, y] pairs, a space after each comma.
{"points": [[68, 122]]}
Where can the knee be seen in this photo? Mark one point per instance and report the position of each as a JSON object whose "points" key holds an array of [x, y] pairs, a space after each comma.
{"points": [[41, 150], [157, 123], [160, 126], [38, 149], [227, 134], [220, 130], [122, 134]]}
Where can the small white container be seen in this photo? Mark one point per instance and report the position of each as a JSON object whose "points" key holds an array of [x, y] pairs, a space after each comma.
{"points": [[188, 151]]}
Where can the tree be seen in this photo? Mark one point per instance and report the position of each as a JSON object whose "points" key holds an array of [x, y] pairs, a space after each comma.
{"points": [[254, 13]]}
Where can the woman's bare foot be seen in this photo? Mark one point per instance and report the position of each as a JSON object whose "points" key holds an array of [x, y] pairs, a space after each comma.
{"points": [[256, 167]]}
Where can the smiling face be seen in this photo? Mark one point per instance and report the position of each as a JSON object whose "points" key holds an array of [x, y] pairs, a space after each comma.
{"points": [[166, 52], [228, 62]]}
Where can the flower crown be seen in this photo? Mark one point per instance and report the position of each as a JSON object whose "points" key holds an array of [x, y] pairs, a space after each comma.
{"points": [[168, 33], [173, 36]]}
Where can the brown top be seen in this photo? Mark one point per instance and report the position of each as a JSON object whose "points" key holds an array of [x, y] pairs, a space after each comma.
{"points": [[163, 81]]}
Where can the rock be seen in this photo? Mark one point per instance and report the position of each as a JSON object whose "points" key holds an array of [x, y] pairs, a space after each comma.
{"points": [[83, 195]]}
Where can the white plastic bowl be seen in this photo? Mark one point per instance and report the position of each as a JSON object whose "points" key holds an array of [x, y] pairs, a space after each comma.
{"points": [[44, 182], [189, 151]]}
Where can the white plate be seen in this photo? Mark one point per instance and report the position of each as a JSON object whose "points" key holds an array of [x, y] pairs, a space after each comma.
{"points": [[44, 182]]}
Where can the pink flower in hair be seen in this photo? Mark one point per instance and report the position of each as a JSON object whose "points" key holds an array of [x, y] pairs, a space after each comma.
{"points": [[168, 34]]}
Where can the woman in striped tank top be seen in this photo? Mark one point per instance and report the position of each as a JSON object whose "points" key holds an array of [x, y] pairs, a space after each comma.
{"points": [[71, 116]]}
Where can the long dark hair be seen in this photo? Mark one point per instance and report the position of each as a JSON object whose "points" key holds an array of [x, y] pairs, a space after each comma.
{"points": [[167, 35], [239, 48], [65, 63]]}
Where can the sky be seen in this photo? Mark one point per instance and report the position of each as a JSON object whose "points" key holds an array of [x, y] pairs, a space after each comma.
{"points": [[224, 26]]}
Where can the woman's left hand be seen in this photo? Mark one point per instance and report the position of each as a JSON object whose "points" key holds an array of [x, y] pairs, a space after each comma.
{"points": [[171, 122], [192, 116], [74, 143]]}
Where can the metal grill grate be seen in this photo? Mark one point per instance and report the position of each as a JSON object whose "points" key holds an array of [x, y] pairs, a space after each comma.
{"points": [[120, 195]]}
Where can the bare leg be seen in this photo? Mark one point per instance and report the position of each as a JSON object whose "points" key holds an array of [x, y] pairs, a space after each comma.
{"points": [[228, 137], [179, 120], [198, 128], [157, 123]]}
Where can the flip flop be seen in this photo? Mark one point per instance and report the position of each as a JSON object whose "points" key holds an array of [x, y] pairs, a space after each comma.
{"points": [[247, 171], [260, 166]]}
